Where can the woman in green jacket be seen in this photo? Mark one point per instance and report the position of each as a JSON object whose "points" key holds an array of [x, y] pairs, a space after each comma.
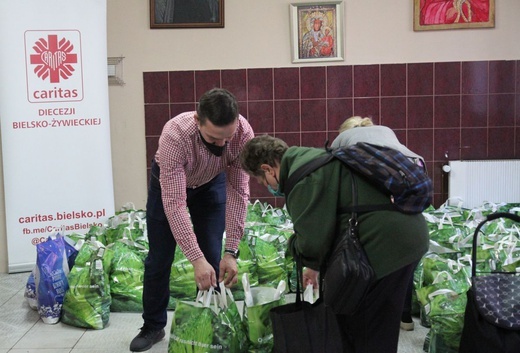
{"points": [[394, 241]]}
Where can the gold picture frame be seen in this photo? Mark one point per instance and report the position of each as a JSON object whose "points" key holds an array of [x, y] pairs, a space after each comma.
{"points": [[186, 14], [453, 14], [317, 31]]}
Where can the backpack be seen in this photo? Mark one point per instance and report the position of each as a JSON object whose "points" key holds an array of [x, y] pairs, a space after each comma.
{"points": [[387, 169]]}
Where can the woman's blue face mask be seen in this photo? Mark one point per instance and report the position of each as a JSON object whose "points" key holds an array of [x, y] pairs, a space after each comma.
{"points": [[276, 192]]}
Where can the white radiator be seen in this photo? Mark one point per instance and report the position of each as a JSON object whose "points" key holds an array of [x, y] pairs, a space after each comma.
{"points": [[477, 182]]}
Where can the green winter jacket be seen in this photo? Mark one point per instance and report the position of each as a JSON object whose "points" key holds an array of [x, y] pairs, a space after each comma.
{"points": [[391, 239]]}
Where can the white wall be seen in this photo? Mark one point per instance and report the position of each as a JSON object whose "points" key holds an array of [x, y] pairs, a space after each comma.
{"points": [[257, 35]]}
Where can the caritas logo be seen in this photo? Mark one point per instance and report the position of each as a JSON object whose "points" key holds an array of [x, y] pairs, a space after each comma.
{"points": [[53, 66]]}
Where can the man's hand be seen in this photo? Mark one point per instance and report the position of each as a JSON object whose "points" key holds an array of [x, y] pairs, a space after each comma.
{"points": [[205, 276], [228, 271]]}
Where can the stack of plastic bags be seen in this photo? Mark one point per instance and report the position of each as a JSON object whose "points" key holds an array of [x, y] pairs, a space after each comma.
{"points": [[262, 254], [442, 278], [80, 278]]}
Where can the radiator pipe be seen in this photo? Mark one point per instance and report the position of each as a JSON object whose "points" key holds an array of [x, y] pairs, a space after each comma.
{"points": [[445, 178]]}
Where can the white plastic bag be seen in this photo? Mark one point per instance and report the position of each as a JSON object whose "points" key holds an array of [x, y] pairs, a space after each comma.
{"points": [[310, 294]]}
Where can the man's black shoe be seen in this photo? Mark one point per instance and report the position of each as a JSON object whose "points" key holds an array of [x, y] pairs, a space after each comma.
{"points": [[146, 339]]}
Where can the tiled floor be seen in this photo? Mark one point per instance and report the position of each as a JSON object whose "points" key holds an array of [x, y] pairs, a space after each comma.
{"points": [[21, 329]]}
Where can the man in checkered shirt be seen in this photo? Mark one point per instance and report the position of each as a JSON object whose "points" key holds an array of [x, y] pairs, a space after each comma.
{"points": [[197, 191]]}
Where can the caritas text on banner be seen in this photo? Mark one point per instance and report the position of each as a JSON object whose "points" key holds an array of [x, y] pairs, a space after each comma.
{"points": [[54, 114]]}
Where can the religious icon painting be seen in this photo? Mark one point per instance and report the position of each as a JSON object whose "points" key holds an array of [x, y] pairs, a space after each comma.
{"points": [[317, 31]]}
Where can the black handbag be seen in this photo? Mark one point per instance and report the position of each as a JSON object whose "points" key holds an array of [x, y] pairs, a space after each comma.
{"points": [[302, 327], [492, 316], [348, 273]]}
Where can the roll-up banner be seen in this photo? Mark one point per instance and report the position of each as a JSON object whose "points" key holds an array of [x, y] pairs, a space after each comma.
{"points": [[55, 126]]}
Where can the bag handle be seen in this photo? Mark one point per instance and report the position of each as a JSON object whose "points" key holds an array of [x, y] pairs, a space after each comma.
{"points": [[299, 284], [248, 297], [204, 297], [225, 296], [490, 217], [299, 278]]}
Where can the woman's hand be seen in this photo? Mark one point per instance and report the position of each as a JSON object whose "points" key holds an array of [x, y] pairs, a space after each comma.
{"points": [[310, 276]]}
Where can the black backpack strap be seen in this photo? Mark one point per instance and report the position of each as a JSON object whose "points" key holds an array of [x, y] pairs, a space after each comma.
{"points": [[316, 163], [305, 170]]}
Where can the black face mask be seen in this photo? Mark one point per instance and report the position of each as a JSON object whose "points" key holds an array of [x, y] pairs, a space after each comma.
{"points": [[214, 149]]}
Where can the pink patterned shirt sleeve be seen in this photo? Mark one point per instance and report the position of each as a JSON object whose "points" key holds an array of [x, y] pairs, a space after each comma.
{"points": [[185, 162]]}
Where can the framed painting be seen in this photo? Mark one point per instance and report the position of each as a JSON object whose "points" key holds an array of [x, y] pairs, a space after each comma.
{"points": [[186, 13], [316, 31], [453, 14]]}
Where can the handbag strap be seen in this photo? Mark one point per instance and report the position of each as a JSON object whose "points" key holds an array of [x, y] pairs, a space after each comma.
{"points": [[353, 218], [353, 223], [299, 278]]}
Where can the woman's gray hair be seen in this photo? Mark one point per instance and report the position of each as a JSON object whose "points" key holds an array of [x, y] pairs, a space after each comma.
{"points": [[263, 149]]}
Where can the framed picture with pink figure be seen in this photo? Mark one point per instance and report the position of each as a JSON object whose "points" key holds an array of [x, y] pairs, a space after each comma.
{"points": [[317, 31], [453, 14]]}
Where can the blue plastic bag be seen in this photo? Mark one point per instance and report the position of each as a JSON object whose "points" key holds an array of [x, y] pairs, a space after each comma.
{"points": [[51, 278], [30, 291]]}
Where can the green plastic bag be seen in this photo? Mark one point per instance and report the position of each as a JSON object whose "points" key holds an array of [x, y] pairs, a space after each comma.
{"points": [[210, 324], [87, 301], [246, 263], [447, 320], [89, 250], [271, 265], [127, 276], [182, 279], [97, 233], [257, 304]]}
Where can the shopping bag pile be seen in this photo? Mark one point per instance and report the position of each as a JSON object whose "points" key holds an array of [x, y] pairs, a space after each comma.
{"points": [[76, 275], [443, 277]]}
